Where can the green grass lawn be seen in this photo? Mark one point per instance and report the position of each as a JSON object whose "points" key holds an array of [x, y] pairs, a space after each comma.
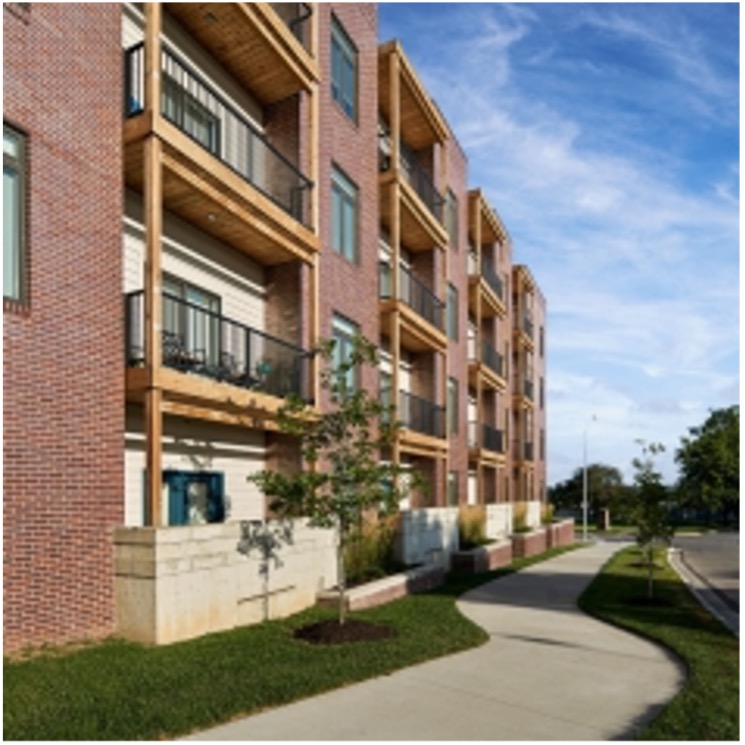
{"points": [[126, 691], [708, 706]]}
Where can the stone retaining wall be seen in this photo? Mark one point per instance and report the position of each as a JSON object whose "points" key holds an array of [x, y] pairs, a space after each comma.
{"points": [[177, 583], [484, 558]]}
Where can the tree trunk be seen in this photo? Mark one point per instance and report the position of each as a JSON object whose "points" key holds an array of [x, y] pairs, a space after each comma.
{"points": [[650, 571], [342, 579]]}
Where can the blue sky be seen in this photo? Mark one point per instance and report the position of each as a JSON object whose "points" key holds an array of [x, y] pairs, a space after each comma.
{"points": [[606, 136]]}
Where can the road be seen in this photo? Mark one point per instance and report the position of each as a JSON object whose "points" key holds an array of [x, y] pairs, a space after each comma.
{"points": [[711, 565]]}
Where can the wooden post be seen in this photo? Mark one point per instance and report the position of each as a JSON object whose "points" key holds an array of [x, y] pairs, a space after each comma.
{"points": [[153, 203], [315, 329], [314, 103]]}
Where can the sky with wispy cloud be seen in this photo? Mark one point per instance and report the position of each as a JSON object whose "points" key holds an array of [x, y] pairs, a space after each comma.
{"points": [[607, 137]]}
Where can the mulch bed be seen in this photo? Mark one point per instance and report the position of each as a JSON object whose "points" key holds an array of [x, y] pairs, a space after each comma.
{"points": [[352, 630]]}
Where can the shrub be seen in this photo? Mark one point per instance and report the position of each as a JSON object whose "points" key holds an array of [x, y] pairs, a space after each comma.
{"points": [[520, 518], [547, 514], [369, 553], [472, 527]]}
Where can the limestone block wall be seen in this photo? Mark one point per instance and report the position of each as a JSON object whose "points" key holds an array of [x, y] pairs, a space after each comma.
{"points": [[498, 520], [178, 583], [427, 536], [533, 515]]}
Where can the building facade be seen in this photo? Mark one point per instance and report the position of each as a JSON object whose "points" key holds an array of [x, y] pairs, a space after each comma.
{"points": [[213, 189]]}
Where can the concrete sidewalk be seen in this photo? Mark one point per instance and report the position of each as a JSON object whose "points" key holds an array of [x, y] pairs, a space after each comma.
{"points": [[548, 672]]}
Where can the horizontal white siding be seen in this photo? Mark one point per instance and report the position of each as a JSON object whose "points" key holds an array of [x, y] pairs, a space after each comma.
{"points": [[199, 259], [237, 452]]}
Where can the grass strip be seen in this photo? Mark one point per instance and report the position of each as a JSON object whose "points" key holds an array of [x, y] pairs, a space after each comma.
{"points": [[126, 691], [708, 706]]}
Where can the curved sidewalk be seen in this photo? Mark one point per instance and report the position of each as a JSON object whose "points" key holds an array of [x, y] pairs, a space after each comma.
{"points": [[548, 672]]}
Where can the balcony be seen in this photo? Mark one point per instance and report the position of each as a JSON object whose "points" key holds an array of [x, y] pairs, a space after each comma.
{"points": [[490, 365], [420, 415], [524, 330], [485, 437], [200, 344], [210, 154], [422, 205], [264, 46], [421, 312], [523, 451], [485, 289]]}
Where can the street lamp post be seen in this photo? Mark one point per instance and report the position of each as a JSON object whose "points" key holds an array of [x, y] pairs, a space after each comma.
{"points": [[584, 479]]}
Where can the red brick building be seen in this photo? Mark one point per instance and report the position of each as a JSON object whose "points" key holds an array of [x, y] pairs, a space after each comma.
{"points": [[194, 194]]}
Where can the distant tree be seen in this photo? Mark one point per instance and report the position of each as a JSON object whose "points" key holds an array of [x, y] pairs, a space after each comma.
{"points": [[709, 461], [343, 477], [650, 511], [605, 490]]}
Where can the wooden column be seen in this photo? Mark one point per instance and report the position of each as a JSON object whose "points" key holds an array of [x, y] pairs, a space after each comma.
{"points": [[314, 129], [153, 207], [314, 330]]}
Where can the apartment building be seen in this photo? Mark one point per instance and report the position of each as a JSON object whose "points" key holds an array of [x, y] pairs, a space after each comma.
{"points": [[194, 194]]}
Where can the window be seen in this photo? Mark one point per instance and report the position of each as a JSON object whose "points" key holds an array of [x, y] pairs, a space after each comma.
{"points": [[541, 392], [343, 332], [190, 115], [195, 497], [543, 444], [343, 215], [451, 218], [452, 494], [452, 407], [452, 313], [191, 323], [14, 213], [343, 70]]}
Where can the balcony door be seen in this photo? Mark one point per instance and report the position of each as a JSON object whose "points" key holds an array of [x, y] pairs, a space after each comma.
{"points": [[191, 320]]}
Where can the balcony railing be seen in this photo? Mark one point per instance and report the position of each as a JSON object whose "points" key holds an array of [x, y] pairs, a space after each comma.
{"points": [[492, 279], [491, 438], [414, 293], [523, 450], [204, 343], [297, 17], [528, 389], [414, 173], [421, 415], [492, 359], [524, 322], [200, 112]]}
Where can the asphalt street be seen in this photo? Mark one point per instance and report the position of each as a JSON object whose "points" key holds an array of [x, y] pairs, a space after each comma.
{"points": [[710, 564]]}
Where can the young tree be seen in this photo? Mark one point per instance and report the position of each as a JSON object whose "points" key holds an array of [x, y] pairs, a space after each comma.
{"points": [[343, 477], [649, 507], [710, 462]]}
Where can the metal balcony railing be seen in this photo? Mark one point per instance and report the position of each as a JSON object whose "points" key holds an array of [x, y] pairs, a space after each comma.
{"points": [[492, 279], [297, 17], [490, 437], [528, 389], [492, 359], [414, 173], [421, 415], [522, 450], [199, 111], [204, 343], [414, 293]]}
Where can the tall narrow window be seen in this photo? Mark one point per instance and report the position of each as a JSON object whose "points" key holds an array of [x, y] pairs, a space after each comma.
{"points": [[343, 70], [343, 332], [451, 218], [14, 218], [452, 313], [452, 495], [452, 406], [344, 205]]}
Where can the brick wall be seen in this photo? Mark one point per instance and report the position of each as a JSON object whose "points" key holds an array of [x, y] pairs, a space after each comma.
{"points": [[457, 264], [347, 288], [62, 365]]}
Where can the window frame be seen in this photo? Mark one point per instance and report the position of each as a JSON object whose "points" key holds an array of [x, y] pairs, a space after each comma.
{"points": [[452, 312], [347, 193], [453, 405], [344, 50], [451, 217], [18, 164], [344, 330]]}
